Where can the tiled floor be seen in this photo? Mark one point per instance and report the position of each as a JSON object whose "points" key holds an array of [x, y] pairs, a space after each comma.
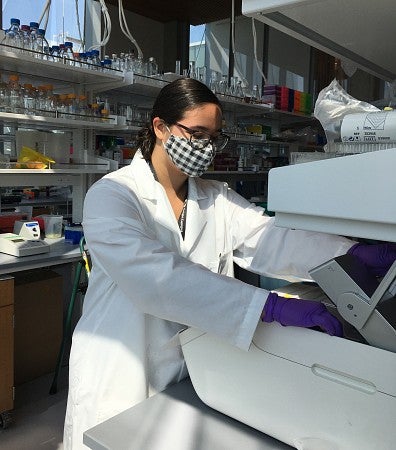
{"points": [[37, 416]]}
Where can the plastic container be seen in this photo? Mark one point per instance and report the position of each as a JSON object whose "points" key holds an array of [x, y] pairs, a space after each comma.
{"points": [[52, 226], [73, 234]]}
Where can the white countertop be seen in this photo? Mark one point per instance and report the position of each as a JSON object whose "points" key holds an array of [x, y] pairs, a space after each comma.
{"points": [[176, 419]]}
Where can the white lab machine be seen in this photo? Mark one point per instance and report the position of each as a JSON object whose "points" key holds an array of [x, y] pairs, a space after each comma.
{"points": [[29, 229], [15, 245], [301, 386]]}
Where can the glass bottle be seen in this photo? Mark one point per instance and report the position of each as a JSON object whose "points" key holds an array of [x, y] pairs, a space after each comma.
{"points": [[62, 105], [138, 65], [95, 113], [122, 62], [89, 60], [29, 98], [68, 53], [47, 53], [13, 35], [61, 52], [50, 103], [3, 96], [107, 65], [40, 43], [76, 58], [42, 101], [223, 85], [152, 67], [55, 53], [33, 36], [239, 89], [83, 60], [96, 59], [14, 94], [82, 106], [72, 105], [115, 62], [25, 38], [129, 61], [192, 71]]}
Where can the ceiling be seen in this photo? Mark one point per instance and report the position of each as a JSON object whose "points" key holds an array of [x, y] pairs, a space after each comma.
{"points": [[195, 12]]}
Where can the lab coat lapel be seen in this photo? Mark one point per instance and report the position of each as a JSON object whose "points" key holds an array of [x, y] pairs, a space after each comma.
{"points": [[155, 196], [161, 210], [196, 215]]}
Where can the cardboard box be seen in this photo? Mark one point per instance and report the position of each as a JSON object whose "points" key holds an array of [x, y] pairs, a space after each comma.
{"points": [[38, 305]]}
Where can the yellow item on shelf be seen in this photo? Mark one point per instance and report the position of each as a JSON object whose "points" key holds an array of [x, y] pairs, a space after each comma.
{"points": [[32, 159]]}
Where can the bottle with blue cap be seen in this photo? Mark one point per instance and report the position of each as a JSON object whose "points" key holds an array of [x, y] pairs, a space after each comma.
{"points": [[42, 43], [13, 36], [33, 36], [68, 53]]}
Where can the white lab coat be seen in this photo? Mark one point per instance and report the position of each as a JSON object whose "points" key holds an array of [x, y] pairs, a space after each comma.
{"points": [[147, 284]]}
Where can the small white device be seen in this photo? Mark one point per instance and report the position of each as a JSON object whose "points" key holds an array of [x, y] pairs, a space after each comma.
{"points": [[15, 245], [29, 229]]}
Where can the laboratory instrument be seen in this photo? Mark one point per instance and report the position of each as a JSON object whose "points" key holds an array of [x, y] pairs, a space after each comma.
{"points": [[15, 245], [365, 303], [301, 386], [29, 229]]}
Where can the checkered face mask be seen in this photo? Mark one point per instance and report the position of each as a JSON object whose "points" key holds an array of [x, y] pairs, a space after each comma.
{"points": [[189, 160]]}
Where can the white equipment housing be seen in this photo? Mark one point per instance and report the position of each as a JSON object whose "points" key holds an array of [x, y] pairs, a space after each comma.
{"points": [[357, 31], [15, 245], [303, 387]]}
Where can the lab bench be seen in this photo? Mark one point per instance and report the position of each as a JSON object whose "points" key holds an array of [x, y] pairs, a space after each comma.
{"points": [[176, 419]]}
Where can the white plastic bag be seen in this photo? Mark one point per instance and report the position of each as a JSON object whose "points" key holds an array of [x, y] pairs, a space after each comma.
{"points": [[332, 104]]}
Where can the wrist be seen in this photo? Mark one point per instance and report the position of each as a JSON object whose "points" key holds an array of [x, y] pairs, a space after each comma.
{"points": [[352, 249], [268, 311]]}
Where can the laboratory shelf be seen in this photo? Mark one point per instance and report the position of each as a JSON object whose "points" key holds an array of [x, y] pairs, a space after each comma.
{"points": [[91, 164], [248, 138], [58, 122], [83, 169], [27, 64]]}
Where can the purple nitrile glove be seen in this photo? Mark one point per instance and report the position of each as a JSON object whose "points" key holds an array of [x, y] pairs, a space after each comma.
{"points": [[300, 313], [377, 257]]}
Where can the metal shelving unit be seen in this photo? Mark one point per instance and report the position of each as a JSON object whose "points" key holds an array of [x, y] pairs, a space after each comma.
{"points": [[64, 78]]}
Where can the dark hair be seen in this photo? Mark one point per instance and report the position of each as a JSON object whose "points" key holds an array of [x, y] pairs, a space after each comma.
{"points": [[172, 102]]}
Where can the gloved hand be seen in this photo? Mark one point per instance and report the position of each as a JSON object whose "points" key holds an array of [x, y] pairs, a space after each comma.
{"points": [[377, 257], [300, 313]]}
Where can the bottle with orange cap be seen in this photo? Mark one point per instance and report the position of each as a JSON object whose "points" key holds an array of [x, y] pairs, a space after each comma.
{"points": [[29, 98], [14, 94], [72, 105]]}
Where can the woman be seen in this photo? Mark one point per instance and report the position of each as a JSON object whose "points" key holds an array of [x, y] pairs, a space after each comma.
{"points": [[163, 242]]}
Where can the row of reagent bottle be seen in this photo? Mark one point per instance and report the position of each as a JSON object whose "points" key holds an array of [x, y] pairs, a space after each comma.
{"points": [[25, 38], [42, 101]]}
